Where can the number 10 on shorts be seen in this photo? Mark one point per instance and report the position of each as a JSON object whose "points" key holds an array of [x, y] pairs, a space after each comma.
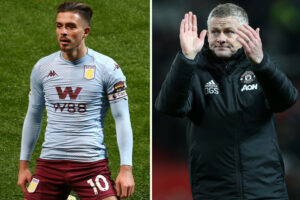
{"points": [[100, 187]]}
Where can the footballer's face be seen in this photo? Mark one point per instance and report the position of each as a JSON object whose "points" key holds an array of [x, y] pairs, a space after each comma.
{"points": [[222, 37], [71, 30]]}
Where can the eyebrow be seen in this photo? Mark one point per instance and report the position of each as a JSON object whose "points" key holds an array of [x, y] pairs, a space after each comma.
{"points": [[68, 23], [225, 28]]}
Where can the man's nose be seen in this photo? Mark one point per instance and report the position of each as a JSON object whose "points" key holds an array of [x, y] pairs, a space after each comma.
{"points": [[221, 39], [64, 31]]}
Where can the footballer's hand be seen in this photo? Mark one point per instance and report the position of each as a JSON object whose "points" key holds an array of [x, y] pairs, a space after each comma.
{"points": [[190, 43], [125, 182], [24, 175]]}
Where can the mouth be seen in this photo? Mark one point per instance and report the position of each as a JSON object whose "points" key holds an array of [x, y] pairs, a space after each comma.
{"points": [[221, 47], [64, 41]]}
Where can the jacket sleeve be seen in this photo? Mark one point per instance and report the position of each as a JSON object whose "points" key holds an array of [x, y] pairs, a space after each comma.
{"points": [[279, 91], [175, 96]]}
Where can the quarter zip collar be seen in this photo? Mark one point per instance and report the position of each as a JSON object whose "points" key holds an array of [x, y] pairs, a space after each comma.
{"points": [[228, 66]]}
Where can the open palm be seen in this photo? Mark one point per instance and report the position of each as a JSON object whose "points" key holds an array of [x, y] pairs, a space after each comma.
{"points": [[190, 43]]}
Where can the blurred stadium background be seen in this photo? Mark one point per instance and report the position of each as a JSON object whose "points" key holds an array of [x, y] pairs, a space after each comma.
{"points": [[120, 29], [279, 21]]}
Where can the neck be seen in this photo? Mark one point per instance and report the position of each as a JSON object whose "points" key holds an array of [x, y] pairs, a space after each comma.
{"points": [[76, 53]]}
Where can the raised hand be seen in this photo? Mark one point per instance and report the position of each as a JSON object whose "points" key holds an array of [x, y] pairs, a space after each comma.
{"points": [[250, 40], [190, 43]]}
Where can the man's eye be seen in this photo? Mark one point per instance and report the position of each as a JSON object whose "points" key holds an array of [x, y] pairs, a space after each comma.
{"points": [[71, 26]]}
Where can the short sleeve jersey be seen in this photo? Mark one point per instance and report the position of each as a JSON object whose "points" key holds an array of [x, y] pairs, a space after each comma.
{"points": [[77, 97]]}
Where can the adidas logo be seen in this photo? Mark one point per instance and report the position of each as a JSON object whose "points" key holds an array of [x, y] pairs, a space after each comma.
{"points": [[210, 83], [211, 88], [52, 73]]}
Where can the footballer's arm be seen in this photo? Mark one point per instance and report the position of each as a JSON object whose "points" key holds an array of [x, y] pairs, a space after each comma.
{"points": [[31, 127], [124, 181], [30, 134]]}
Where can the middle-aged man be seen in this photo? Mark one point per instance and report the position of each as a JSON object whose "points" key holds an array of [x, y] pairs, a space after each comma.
{"points": [[77, 85], [229, 92]]}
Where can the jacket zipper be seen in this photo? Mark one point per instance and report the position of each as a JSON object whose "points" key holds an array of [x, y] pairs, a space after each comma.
{"points": [[236, 146]]}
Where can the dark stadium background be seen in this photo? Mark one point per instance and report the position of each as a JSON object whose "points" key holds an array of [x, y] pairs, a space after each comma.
{"points": [[279, 21]]}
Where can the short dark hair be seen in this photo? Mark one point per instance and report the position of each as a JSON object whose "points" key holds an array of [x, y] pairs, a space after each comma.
{"points": [[78, 7]]}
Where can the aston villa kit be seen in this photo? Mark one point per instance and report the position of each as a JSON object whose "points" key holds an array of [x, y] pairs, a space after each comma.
{"points": [[77, 96]]}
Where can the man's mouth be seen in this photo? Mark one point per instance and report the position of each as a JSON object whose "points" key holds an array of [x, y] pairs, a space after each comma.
{"points": [[222, 47], [64, 41]]}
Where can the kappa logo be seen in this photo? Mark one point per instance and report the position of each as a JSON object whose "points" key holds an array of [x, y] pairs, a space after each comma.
{"points": [[211, 88], [249, 87], [116, 67], [52, 73]]}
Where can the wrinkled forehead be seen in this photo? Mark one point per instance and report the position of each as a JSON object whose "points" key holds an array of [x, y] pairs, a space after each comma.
{"points": [[223, 23]]}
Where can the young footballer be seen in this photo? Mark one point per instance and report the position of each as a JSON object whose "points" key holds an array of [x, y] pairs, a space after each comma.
{"points": [[77, 85]]}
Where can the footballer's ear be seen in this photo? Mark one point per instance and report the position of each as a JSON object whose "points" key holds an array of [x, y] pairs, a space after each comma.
{"points": [[86, 31]]}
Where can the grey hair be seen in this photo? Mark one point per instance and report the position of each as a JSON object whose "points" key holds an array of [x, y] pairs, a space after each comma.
{"points": [[229, 10]]}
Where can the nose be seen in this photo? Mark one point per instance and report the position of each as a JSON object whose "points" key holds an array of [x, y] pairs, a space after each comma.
{"points": [[221, 39], [63, 31]]}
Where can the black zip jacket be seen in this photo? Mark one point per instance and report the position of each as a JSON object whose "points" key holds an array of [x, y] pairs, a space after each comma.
{"points": [[231, 135]]}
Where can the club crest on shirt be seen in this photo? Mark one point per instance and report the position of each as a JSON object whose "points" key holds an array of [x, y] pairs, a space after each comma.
{"points": [[247, 77], [33, 184], [89, 71]]}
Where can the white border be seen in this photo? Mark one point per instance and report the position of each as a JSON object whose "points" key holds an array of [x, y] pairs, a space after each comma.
{"points": [[150, 99]]}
